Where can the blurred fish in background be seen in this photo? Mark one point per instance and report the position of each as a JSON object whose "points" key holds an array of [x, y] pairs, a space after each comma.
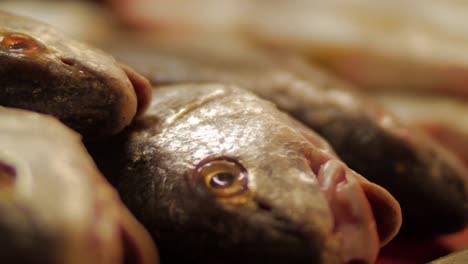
{"points": [[403, 52], [419, 48], [82, 20]]}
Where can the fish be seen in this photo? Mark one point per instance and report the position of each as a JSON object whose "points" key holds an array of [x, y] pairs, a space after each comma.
{"points": [[443, 118], [55, 206], [45, 71], [386, 45], [74, 18], [428, 180], [219, 175], [398, 45]]}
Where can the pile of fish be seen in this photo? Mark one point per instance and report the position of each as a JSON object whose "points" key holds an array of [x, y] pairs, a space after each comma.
{"points": [[222, 151]]}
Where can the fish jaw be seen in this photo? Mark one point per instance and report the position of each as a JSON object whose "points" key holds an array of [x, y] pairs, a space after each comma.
{"points": [[326, 209], [354, 225], [330, 170], [360, 208]]}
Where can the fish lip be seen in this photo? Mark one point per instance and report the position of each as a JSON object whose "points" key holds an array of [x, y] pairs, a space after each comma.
{"points": [[354, 225], [141, 86]]}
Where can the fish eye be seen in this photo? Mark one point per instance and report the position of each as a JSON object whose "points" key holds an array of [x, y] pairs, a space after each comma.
{"points": [[223, 177], [19, 43]]}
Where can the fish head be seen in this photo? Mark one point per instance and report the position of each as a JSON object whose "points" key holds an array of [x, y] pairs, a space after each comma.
{"points": [[55, 207], [234, 179], [43, 70]]}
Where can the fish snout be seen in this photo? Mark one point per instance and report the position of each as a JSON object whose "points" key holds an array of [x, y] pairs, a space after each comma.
{"points": [[142, 87], [366, 216], [340, 217], [332, 223], [354, 227]]}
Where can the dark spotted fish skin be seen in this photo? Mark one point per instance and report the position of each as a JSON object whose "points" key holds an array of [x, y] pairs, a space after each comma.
{"points": [[55, 206], [283, 212], [428, 181], [45, 71]]}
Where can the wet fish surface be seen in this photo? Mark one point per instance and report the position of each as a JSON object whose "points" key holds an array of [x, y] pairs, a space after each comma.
{"points": [[429, 182], [55, 206], [218, 175], [43, 70]]}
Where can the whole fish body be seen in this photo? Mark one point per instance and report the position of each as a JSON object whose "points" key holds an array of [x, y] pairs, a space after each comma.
{"points": [[43, 70], [218, 175], [428, 181], [55, 206]]}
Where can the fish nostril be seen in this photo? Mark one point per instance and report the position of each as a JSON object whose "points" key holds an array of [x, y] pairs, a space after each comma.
{"points": [[7, 177], [264, 206], [68, 61], [268, 209]]}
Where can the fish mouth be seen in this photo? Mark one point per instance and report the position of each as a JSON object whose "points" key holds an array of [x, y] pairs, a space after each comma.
{"points": [[355, 227], [142, 87]]}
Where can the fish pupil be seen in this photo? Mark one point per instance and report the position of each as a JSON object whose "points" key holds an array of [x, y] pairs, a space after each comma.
{"points": [[222, 180], [20, 46]]}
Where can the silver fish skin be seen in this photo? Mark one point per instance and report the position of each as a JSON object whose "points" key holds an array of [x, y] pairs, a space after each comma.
{"points": [[55, 206], [223, 176], [430, 183], [43, 70]]}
